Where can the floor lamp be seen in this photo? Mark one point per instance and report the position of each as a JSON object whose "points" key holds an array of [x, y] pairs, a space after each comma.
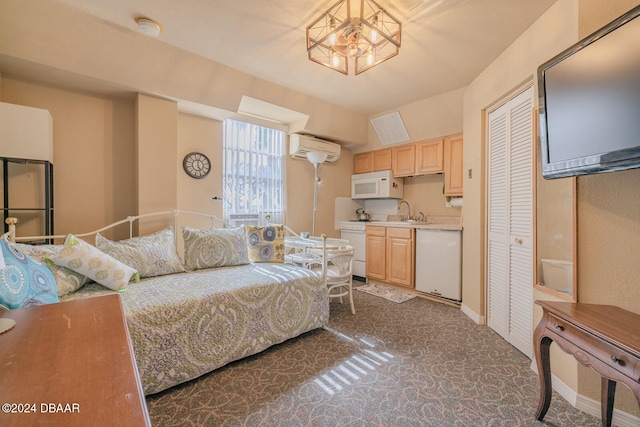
{"points": [[315, 157]]}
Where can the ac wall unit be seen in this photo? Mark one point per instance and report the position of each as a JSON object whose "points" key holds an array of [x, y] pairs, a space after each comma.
{"points": [[300, 145]]}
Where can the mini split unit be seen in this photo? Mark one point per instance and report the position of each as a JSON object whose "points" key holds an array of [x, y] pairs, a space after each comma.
{"points": [[300, 145]]}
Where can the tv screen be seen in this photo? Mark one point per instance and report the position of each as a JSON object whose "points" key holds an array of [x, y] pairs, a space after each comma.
{"points": [[590, 103]]}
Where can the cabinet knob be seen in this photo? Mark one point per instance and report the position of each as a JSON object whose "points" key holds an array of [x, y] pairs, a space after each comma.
{"points": [[519, 241], [559, 327], [617, 360]]}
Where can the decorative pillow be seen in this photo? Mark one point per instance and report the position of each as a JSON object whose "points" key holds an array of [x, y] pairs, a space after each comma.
{"points": [[67, 281], [86, 259], [23, 281], [265, 244], [216, 247], [151, 255]]}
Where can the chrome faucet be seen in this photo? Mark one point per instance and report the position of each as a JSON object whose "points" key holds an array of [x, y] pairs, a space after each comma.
{"points": [[420, 217], [408, 208]]}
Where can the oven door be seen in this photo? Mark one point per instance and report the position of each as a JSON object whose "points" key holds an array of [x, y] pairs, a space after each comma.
{"points": [[357, 239]]}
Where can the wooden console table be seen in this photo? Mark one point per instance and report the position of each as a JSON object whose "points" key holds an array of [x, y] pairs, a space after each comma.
{"points": [[70, 364], [605, 337]]}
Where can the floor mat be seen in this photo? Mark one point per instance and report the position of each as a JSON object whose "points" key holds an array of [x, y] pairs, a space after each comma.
{"points": [[388, 293]]}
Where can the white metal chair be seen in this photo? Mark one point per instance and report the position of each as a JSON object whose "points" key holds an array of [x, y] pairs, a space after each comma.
{"points": [[339, 274]]}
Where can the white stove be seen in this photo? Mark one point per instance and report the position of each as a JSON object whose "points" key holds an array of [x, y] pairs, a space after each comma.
{"points": [[354, 232], [354, 225]]}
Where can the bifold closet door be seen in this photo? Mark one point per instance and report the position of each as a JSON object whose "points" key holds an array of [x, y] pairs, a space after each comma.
{"points": [[510, 221]]}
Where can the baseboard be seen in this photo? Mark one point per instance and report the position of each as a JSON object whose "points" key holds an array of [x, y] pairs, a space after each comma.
{"points": [[472, 314], [586, 404], [620, 418]]}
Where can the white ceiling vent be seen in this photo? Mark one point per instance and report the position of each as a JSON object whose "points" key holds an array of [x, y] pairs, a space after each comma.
{"points": [[390, 128]]}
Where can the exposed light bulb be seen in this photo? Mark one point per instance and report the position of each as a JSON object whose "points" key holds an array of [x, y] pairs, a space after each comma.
{"points": [[332, 28], [370, 58], [374, 36], [335, 59]]}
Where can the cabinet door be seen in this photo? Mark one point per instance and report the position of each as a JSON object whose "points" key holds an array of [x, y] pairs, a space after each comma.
{"points": [[362, 162], [453, 175], [400, 261], [382, 160], [376, 257], [403, 158], [429, 157]]}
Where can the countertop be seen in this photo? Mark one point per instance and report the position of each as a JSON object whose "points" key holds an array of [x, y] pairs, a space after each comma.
{"points": [[431, 223]]}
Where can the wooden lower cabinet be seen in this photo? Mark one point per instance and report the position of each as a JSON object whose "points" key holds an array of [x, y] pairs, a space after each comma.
{"points": [[390, 255]]}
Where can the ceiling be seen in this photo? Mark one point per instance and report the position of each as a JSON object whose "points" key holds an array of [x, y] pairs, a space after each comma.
{"points": [[445, 43]]}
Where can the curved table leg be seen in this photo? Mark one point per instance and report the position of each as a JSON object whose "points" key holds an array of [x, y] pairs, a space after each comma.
{"points": [[608, 392], [541, 350]]}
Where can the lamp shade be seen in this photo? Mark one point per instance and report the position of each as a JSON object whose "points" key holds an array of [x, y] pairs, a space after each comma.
{"points": [[316, 157]]}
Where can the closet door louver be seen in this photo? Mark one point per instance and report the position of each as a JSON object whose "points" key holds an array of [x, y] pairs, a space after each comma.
{"points": [[498, 223], [510, 253], [521, 221]]}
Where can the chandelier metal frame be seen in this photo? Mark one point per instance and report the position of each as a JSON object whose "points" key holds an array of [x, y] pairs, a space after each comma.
{"points": [[370, 38]]}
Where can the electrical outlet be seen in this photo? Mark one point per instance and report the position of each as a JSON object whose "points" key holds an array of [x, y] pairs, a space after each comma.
{"points": [[469, 172]]}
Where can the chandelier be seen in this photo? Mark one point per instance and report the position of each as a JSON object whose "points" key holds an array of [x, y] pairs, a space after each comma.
{"points": [[336, 36]]}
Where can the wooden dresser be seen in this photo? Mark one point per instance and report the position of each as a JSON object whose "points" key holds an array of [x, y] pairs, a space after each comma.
{"points": [[70, 364], [604, 337]]}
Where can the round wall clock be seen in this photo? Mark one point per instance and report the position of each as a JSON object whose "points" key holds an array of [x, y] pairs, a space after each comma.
{"points": [[196, 165]]}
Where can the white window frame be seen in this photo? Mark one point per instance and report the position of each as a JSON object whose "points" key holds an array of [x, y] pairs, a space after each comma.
{"points": [[265, 148]]}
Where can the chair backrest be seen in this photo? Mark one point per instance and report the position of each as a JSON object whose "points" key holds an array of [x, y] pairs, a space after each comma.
{"points": [[340, 262]]}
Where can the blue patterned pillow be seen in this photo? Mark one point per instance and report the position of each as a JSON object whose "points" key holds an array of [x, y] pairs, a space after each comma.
{"points": [[265, 244], [23, 281]]}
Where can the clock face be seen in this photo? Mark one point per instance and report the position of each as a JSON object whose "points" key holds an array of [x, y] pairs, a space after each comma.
{"points": [[196, 165]]}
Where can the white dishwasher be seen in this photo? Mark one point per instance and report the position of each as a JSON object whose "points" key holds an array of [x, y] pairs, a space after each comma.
{"points": [[438, 262]]}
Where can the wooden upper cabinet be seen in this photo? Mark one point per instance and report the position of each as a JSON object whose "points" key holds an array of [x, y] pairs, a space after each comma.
{"points": [[363, 162], [404, 160], [382, 160], [372, 161], [453, 173], [429, 157], [421, 158]]}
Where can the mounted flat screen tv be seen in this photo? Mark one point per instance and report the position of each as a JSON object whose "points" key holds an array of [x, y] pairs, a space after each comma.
{"points": [[590, 103]]}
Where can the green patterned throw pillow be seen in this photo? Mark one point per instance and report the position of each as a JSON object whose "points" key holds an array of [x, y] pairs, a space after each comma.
{"points": [[151, 255], [265, 244], [216, 247], [88, 260]]}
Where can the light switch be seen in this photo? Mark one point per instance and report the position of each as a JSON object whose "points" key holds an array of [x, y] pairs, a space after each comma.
{"points": [[470, 173]]}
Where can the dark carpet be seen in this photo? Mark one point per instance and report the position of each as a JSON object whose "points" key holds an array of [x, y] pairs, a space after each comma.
{"points": [[419, 363]]}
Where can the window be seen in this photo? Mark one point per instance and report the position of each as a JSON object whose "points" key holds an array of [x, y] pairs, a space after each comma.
{"points": [[253, 173]]}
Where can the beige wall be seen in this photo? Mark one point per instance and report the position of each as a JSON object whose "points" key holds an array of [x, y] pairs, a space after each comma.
{"points": [[93, 153], [608, 226], [608, 205], [429, 118], [203, 135], [101, 177], [87, 51], [335, 182], [554, 31]]}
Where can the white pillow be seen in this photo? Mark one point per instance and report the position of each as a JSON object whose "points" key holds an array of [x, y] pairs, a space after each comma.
{"points": [[83, 258]]}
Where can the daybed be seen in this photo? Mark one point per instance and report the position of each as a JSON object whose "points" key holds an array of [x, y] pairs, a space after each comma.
{"points": [[185, 324]]}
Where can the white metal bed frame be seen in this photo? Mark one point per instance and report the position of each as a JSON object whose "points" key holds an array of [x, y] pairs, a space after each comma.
{"points": [[12, 221], [321, 248]]}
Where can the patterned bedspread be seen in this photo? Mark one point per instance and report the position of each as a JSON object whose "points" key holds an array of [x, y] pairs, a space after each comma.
{"points": [[185, 325]]}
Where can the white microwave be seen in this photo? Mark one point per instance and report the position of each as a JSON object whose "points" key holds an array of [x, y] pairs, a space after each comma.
{"points": [[376, 185]]}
